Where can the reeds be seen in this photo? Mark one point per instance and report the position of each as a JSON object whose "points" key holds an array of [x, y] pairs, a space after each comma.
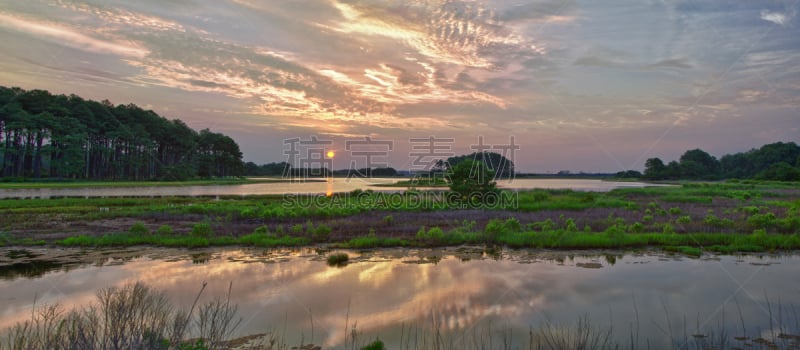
{"points": [[130, 317]]}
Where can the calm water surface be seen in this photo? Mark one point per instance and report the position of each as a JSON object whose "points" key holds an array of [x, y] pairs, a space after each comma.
{"points": [[312, 187], [462, 289]]}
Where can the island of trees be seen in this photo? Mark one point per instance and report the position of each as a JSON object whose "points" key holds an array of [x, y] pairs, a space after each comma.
{"points": [[776, 161], [68, 137]]}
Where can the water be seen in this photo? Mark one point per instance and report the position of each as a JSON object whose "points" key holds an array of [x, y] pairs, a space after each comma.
{"points": [[312, 187], [464, 290]]}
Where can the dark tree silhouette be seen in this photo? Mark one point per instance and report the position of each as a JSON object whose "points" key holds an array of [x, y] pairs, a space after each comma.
{"points": [[775, 161], [45, 135], [502, 167]]}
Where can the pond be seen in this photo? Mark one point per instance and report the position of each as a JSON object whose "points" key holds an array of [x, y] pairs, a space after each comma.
{"points": [[466, 293], [312, 187]]}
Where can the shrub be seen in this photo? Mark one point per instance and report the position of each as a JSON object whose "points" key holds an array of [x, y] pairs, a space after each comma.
{"points": [[750, 210], [760, 234], [686, 219], [139, 229], [512, 224], [309, 226], [711, 220], [571, 226], [338, 259], [297, 229], [472, 180], [546, 225], [435, 234], [376, 345], [321, 232], [467, 226], [761, 220], [494, 227], [388, 219], [164, 230], [637, 227], [675, 211], [647, 218], [421, 233], [614, 230], [202, 230], [262, 230]]}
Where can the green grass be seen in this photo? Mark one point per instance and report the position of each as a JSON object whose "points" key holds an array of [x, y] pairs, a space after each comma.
{"points": [[127, 239], [340, 205], [689, 244], [267, 241], [373, 242], [191, 241], [303, 220], [538, 200], [421, 182], [6, 239]]}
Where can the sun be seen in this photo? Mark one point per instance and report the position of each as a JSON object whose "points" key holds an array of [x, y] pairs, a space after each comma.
{"points": [[331, 154]]}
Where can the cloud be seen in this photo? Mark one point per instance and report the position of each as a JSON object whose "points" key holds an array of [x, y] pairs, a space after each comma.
{"points": [[540, 69], [550, 11], [66, 36], [597, 61], [123, 18], [778, 18], [445, 32], [675, 63]]}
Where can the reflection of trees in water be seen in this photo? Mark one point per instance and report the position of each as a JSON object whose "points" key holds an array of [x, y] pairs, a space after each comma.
{"points": [[31, 269], [23, 263]]}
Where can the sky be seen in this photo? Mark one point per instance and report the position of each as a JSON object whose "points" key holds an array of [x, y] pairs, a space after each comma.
{"points": [[595, 86]]}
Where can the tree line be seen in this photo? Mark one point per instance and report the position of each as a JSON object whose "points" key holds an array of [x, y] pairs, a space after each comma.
{"points": [[286, 169], [499, 164], [776, 161], [501, 167], [68, 137]]}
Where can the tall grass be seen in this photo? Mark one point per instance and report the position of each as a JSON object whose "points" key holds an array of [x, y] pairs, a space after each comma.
{"points": [[130, 317]]}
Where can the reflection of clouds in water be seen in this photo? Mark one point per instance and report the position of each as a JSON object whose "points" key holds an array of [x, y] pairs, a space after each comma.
{"points": [[289, 288]]}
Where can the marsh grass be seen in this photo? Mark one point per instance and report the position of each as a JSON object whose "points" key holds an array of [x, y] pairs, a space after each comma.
{"points": [[547, 219], [133, 316], [7, 239], [190, 241]]}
